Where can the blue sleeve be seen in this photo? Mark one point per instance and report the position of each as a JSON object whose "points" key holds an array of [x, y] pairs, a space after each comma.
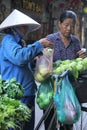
{"points": [[0, 58], [0, 67], [18, 55]]}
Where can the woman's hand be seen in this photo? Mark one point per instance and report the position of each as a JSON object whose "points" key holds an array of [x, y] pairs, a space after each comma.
{"points": [[81, 53], [46, 43]]}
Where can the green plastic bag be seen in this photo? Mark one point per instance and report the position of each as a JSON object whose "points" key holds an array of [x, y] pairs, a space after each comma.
{"points": [[68, 108], [45, 93]]}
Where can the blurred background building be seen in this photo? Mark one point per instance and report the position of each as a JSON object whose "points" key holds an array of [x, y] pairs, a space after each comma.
{"points": [[47, 12]]}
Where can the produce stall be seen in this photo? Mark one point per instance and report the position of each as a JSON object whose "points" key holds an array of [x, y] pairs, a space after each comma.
{"points": [[78, 68]]}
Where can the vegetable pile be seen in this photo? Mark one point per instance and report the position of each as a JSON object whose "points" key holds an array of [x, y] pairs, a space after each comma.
{"points": [[76, 66], [12, 111], [11, 88]]}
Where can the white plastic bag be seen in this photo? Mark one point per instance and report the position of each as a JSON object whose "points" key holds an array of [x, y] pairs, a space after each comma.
{"points": [[44, 65]]}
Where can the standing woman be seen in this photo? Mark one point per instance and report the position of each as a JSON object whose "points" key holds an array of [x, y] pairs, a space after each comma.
{"points": [[16, 56], [66, 44]]}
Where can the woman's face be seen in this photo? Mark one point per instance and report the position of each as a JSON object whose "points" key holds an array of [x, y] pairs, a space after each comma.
{"points": [[67, 27], [23, 29]]}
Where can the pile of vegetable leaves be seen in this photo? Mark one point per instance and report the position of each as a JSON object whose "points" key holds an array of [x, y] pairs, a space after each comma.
{"points": [[12, 112], [11, 88]]}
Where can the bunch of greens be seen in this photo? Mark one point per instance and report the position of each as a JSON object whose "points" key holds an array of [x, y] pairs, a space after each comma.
{"points": [[12, 112], [11, 88]]}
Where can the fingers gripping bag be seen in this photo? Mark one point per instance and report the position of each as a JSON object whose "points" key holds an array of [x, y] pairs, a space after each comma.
{"points": [[67, 105], [45, 93], [44, 65]]}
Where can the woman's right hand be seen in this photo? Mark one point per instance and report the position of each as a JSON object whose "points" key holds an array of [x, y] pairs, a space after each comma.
{"points": [[46, 43]]}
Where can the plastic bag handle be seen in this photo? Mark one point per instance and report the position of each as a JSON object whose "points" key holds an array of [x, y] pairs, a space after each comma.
{"points": [[59, 80], [64, 74], [58, 84]]}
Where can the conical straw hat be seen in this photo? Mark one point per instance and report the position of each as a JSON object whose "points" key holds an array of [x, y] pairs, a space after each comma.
{"points": [[17, 18]]}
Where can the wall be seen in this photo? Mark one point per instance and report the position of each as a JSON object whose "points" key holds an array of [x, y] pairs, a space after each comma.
{"points": [[5, 7]]}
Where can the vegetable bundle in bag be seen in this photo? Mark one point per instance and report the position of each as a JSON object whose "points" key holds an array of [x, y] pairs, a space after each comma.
{"points": [[45, 93], [44, 65], [67, 105]]}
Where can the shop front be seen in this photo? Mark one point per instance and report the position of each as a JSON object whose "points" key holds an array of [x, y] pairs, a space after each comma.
{"points": [[47, 13]]}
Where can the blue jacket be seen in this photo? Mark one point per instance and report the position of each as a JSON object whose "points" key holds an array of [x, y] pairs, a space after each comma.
{"points": [[15, 62]]}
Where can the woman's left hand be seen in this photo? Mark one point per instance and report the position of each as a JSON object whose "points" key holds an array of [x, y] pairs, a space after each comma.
{"points": [[81, 54]]}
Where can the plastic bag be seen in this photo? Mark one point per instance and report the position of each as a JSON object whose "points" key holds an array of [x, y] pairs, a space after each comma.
{"points": [[45, 93], [68, 108], [44, 65]]}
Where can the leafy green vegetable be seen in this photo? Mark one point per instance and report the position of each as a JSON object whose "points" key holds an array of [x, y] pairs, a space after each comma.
{"points": [[12, 112], [11, 88]]}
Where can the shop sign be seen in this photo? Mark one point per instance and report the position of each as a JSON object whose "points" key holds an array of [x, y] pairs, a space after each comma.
{"points": [[33, 6]]}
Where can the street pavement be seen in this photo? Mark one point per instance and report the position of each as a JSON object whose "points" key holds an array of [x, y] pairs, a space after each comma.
{"points": [[38, 115]]}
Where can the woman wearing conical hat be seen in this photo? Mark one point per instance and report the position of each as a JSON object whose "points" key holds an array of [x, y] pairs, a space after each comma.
{"points": [[15, 57]]}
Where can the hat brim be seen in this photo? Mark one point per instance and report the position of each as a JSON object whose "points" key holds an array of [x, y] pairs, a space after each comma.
{"points": [[17, 18]]}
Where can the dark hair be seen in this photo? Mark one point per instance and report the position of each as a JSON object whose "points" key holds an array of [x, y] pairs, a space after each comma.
{"points": [[7, 31], [68, 14]]}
